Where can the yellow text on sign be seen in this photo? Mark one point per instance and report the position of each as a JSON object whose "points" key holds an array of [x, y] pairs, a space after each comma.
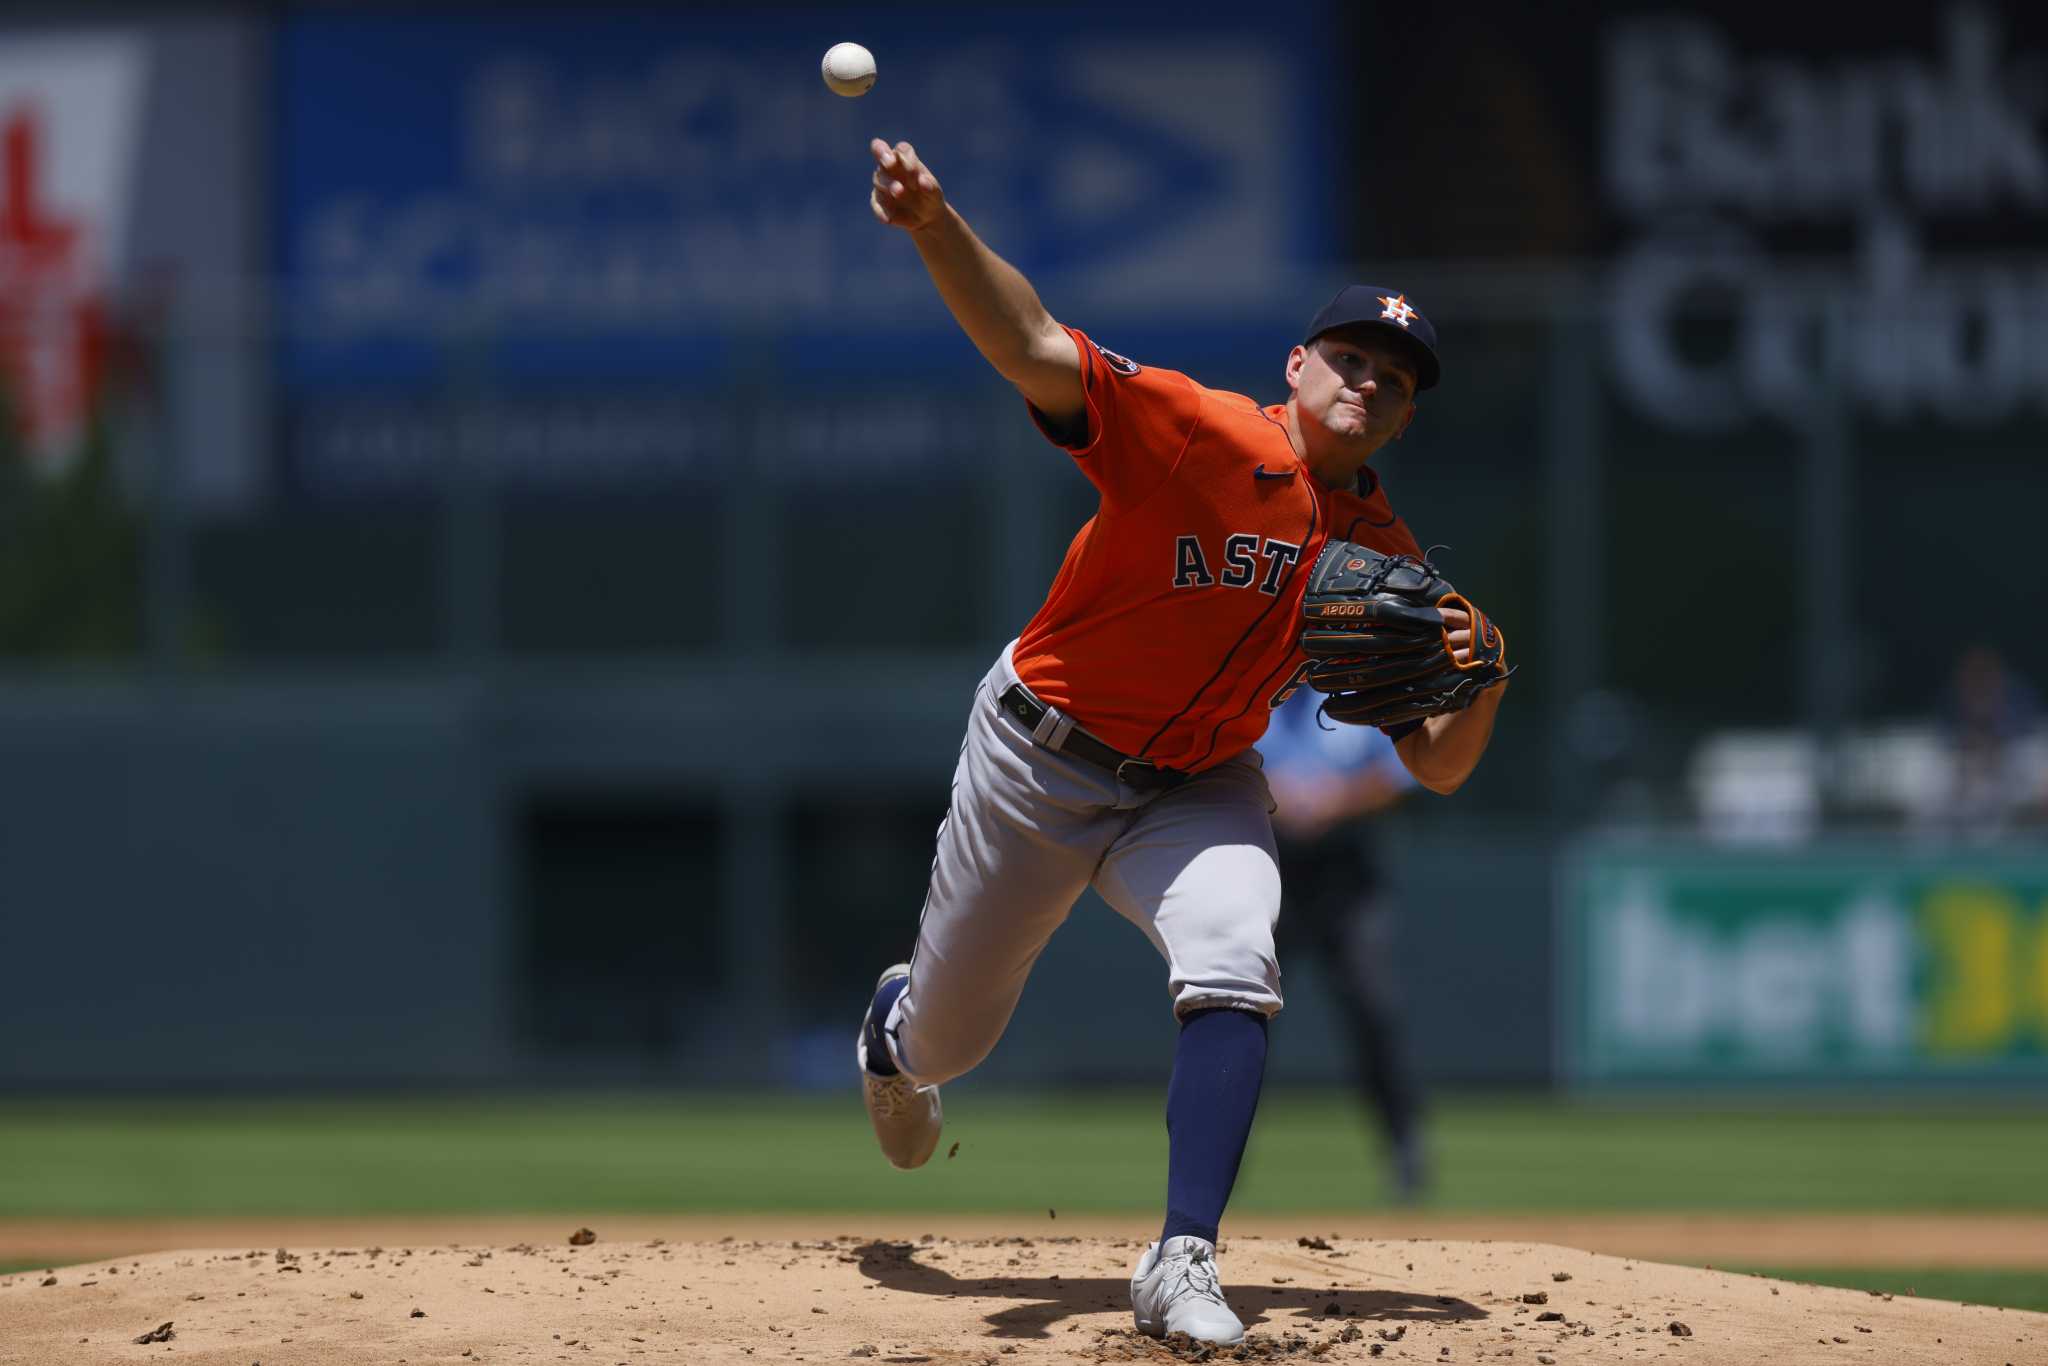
{"points": [[1989, 986]]}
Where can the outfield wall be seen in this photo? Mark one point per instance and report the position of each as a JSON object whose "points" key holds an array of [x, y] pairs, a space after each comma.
{"points": [[337, 882], [347, 882]]}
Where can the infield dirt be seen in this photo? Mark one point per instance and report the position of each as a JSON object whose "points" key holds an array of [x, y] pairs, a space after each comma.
{"points": [[842, 1293]]}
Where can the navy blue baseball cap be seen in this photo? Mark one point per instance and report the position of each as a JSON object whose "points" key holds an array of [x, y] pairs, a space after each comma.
{"points": [[1374, 306]]}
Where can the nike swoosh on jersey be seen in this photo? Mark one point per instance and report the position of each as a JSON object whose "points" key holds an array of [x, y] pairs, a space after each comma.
{"points": [[1261, 472]]}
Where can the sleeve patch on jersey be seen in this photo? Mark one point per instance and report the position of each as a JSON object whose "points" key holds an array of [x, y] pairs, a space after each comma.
{"points": [[1123, 365]]}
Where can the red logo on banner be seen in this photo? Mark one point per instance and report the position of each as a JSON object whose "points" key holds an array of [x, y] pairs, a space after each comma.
{"points": [[54, 333]]}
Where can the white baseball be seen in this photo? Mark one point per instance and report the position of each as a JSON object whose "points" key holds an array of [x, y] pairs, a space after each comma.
{"points": [[849, 69]]}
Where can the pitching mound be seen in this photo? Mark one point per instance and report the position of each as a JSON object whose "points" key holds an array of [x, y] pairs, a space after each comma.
{"points": [[992, 1300]]}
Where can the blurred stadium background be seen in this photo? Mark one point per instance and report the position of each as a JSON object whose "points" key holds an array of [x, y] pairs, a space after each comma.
{"points": [[495, 546]]}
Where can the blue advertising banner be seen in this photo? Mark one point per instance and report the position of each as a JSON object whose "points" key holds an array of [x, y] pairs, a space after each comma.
{"points": [[582, 195]]}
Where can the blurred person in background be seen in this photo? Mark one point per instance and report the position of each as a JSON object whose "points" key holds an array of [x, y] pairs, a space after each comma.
{"points": [[1327, 782], [1989, 716]]}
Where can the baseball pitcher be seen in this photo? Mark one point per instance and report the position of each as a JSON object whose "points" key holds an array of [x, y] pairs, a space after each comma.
{"points": [[1238, 552]]}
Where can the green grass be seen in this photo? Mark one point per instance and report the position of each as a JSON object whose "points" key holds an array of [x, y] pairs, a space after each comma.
{"points": [[1312, 1152], [1971, 1285]]}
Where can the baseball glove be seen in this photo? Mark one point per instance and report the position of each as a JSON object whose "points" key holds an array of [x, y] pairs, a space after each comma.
{"points": [[1373, 630]]}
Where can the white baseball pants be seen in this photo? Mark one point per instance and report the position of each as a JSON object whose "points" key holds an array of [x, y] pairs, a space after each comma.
{"points": [[1027, 830]]}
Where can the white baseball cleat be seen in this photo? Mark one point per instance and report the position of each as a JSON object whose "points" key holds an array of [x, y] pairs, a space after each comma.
{"points": [[1174, 1290], [906, 1116]]}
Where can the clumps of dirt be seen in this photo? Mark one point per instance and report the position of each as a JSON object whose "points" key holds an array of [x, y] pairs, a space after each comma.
{"points": [[903, 1297], [582, 1237], [161, 1333], [1313, 1242], [1122, 1344]]}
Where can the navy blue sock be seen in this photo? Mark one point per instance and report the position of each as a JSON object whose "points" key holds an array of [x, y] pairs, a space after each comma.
{"points": [[1218, 1066], [879, 1061]]}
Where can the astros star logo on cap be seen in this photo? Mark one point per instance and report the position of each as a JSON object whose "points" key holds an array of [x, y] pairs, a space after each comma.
{"points": [[1396, 308]]}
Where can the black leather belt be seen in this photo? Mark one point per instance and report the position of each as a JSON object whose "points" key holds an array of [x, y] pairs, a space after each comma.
{"points": [[1139, 773]]}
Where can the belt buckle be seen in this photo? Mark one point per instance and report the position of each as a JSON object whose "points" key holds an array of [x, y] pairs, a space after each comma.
{"points": [[1143, 767], [1016, 702]]}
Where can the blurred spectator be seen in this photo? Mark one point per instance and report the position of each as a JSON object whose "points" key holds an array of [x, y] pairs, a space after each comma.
{"points": [[1758, 787], [1989, 715], [1334, 900]]}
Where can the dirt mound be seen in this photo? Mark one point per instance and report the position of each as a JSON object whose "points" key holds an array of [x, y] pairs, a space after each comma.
{"points": [[942, 1300], [1781, 1238]]}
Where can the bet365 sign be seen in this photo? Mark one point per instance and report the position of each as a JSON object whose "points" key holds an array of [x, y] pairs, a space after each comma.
{"points": [[1687, 964]]}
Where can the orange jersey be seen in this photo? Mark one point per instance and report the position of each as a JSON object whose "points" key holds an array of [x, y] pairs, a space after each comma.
{"points": [[1172, 629]]}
